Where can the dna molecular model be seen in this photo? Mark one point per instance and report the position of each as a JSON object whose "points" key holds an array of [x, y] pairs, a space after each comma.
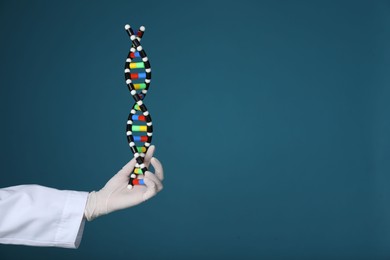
{"points": [[138, 76]]}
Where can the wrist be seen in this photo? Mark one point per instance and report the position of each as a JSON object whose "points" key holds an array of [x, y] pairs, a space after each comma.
{"points": [[95, 206]]}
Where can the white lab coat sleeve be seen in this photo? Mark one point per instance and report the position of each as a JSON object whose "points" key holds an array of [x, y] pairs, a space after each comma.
{"points": [[40, 216]]}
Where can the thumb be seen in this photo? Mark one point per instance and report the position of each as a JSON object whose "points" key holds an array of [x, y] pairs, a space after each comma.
{"points": [[127, 169]]}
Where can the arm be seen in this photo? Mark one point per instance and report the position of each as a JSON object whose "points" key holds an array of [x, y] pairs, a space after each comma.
{"points": [[39, 216]]}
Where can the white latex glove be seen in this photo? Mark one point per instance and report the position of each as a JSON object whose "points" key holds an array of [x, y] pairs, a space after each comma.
{"points": [[115, 195]]}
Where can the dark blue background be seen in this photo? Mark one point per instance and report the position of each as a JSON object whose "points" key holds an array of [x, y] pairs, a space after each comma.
{"points": [[271, 120]]}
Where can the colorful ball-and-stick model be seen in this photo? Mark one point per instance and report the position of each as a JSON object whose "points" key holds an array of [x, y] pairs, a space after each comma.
{"points": [[138, 75]]}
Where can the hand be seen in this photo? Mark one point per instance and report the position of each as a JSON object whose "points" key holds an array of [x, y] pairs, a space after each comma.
{"points": [[115, 195]]}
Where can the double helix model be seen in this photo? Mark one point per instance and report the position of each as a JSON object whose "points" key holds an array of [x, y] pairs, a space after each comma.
{"points": [[139, 129]]}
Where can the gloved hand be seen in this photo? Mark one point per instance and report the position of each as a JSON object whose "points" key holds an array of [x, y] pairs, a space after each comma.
{"points": [[115, 195]]}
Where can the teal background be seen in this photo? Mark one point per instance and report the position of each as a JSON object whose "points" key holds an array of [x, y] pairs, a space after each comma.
{"points": [[271, 119]]}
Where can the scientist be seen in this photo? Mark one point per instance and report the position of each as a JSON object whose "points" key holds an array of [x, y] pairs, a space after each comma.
{"points": [[40, 216]]}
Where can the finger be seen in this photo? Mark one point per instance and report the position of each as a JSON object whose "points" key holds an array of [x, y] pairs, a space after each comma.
{"points": [[151, 189], [149, 155], [127, 169], [158, 168], [154, 178]]}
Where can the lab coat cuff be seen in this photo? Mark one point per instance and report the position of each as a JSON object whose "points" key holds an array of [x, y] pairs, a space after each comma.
{"points": [[71, 225]]}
